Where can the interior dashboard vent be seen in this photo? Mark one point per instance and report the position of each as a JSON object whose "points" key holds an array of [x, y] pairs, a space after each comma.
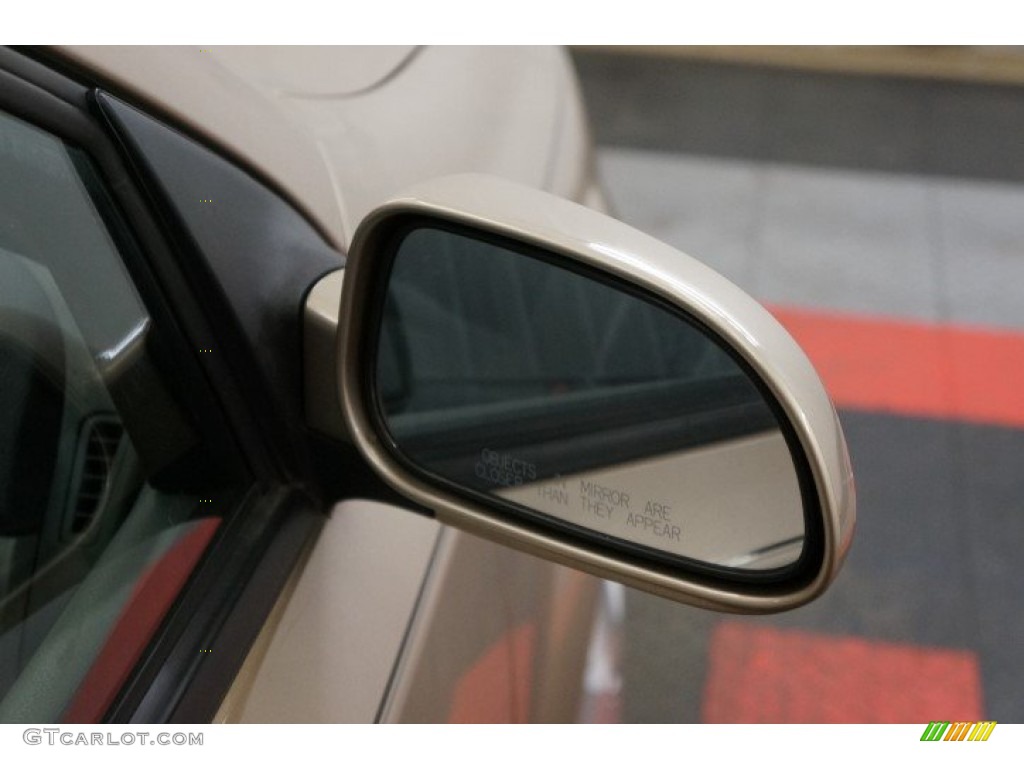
{"points": [[101, 438]]}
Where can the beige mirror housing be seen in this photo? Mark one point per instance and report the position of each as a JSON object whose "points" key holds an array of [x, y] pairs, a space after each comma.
{"points": [[578, 239]]}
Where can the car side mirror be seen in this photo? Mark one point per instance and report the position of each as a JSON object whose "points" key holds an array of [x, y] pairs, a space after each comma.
{"points": [[545, 376]]}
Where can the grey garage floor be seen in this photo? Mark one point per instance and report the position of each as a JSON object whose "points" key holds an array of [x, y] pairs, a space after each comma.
{"points": [[881, 197]]}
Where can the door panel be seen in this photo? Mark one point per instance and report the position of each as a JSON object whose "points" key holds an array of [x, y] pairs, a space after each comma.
{"points": [[499, 636], [327, 652]]}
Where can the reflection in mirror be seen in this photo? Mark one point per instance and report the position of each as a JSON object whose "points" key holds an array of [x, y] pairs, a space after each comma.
{"points": [[508, 375]]}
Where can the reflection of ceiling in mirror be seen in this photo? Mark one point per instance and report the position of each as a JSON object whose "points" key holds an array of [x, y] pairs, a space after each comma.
{"points": [[735, 503]]}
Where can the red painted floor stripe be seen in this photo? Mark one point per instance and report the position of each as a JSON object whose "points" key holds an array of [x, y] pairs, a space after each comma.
{"points": [[765, 675], [914, 369]]}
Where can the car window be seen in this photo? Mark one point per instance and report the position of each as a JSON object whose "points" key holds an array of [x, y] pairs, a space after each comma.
{"points": [[100, 520]]}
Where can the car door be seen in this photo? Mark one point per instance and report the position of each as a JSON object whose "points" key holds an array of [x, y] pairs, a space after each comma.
{"points": [[477, 631]]}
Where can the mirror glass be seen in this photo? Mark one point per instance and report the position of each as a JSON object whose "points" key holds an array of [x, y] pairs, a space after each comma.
{"points": [[507, 374]]}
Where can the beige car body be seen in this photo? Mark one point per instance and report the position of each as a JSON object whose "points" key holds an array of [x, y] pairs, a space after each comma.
{"points": [[392, 616]]}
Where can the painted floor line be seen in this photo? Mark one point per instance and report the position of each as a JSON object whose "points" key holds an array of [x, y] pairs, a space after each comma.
{"points": [[912, 368], [760, 674]]}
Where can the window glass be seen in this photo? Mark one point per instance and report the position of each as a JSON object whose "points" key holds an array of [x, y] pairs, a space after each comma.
{"points": [[100, 521]]}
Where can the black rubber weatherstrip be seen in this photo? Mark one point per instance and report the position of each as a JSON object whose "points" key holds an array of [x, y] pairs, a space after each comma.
{"points": [[223, 609]]}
